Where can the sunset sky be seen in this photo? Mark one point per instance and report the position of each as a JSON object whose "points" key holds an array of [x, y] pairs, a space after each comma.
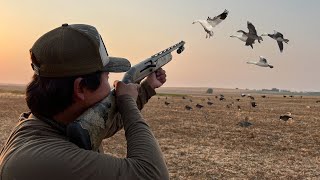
{"points": [[139, 29]]}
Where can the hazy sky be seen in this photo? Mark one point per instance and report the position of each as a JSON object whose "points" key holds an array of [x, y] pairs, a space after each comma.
{"points": [[138, 29]]}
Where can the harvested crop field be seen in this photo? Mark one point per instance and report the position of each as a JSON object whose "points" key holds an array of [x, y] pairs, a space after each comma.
{"points": [[211, 143]]}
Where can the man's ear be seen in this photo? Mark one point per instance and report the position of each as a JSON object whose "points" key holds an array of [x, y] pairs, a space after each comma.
{"points": [[78, 91]]}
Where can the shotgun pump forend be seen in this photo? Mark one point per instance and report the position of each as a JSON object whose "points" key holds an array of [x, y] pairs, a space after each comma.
{"points": [[141, 70], [101, 120]]}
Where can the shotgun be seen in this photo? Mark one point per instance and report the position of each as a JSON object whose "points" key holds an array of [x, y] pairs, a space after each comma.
{"points": [[92, 126]]}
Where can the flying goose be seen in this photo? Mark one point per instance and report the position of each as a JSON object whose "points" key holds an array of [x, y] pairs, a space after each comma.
{"points": [[249, 37], [262, 62], [210, 23], [278, 37]]}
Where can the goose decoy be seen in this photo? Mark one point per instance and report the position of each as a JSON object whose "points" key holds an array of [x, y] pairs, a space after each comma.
{"points": [[244, 124], [262, 62], [286, 117], [239, 108], [199, 106], [209, 103], [166, 103], [251, 97], [263, 96], [278, 37], [253, 104], [249, 37], [188, 107], [210, 23]]}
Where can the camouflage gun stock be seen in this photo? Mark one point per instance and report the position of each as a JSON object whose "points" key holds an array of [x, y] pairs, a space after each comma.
{"points": [[92, 126]]}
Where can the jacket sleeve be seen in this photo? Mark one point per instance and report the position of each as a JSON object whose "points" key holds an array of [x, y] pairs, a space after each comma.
{"points": [[144, 157], [145, 93]]}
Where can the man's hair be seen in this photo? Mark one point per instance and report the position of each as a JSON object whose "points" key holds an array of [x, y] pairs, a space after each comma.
{"points": [[49, 96]]}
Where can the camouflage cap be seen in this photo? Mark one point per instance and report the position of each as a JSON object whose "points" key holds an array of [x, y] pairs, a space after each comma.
{"points": [[72, 50]]}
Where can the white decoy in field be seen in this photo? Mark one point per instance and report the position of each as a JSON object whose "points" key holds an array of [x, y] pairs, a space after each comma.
{"points": [[210, 23], [249, 37], [286, 117], [278, 37], [262, 62]]}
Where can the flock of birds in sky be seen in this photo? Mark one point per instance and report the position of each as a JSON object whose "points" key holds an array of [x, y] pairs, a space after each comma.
{"points": [[248, 37]]}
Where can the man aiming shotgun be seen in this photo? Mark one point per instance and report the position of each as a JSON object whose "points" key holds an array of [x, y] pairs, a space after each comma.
{"points": [[73, 109]]}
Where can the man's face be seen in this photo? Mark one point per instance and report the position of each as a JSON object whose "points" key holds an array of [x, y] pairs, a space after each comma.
{"points": [[103, 90]]}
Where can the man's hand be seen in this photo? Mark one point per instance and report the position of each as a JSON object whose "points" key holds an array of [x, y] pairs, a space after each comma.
{"points": [[157, 79], [130, 89]]}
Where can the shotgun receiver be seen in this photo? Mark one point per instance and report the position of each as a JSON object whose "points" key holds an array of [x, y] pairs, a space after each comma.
{"points": [[93, 125]]}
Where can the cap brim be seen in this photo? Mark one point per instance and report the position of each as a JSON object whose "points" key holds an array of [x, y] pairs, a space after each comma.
{"points": [[117, 64]]}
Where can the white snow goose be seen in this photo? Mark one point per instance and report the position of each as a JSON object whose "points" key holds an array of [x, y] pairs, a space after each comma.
{"points": [[262, 62], [249, 37], [210, 23], [278, 37]]}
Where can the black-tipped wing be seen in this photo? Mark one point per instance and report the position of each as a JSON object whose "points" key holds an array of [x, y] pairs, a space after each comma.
{"points": [[252, 29], [241, 31], [280, 44], [278, 35], [218, 19]]}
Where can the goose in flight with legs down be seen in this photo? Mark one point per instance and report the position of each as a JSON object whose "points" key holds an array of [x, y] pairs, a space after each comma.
{"points": [[262, 62], [249, 37], [278, 37], [210, 23]]}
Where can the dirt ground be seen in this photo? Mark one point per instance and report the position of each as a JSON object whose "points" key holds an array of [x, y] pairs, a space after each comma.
{"points": [[209, 143]]}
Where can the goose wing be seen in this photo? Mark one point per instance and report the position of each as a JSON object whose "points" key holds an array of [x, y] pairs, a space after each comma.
{"points": [[280, 44], [278, 34], [263, 60], [252, 29], [241, 31], [218, 19]]}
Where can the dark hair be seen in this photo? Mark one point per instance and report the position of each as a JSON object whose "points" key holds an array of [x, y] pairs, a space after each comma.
{"points": [[48, 96]]}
